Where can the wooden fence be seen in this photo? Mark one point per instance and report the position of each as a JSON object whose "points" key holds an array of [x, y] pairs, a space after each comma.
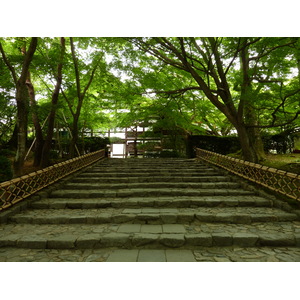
{"points": [[279, 181], [13, 191]]}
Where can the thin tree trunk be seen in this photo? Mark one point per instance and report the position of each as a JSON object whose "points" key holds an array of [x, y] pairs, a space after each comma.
{"points": [[74, 139], [80, 97], [45, 159], [22, 121], [36, 122]]}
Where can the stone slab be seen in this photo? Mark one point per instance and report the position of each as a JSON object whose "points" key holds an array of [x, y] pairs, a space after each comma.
{"points": [[129, 228], [151, 228], [173, 228], [123, 256], [148, 255], [180, 256]]}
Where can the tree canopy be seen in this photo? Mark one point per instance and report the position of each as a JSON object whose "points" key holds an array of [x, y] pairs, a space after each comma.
{"points": [[218, 86]]}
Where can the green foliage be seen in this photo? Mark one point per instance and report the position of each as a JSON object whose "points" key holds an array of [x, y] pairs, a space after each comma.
{"points": [[282, 143], [5, 169], [169, 154], [222, 145], [92, 144], [143, 81]]}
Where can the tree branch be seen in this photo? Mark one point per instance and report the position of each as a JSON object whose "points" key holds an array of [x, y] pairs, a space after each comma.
{"points": [[8, 64], [76, 68], [272, 125]]}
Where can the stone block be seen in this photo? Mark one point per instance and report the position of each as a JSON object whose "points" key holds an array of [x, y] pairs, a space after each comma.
{"points": [[224, 217], [263, 217], [115, 240], [242, 219], [88, 241], [222, 239], [77, 219], [245, 239], [278, 239], [9, 240], [121, 218], [141, 239], [297, 239], [74, 205], [185, 217], [34, 242], [149, 218], [172, 240], [61, 242], [199, 239], [205, 217], [55, 205], [168, 218]]}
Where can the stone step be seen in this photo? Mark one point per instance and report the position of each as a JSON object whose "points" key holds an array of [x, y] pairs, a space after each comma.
{"points": [[177, 202], [199, 254], [147, 173], [150, 215], [148, 192], [130, 236], [153, 168], [152, 185], [145, 161], [95, 179]]}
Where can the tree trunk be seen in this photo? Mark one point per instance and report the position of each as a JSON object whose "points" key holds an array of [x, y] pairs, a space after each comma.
{"points": [[13, 142], [36, 122], [246, 114], [22, 121], [135, 142], [22, 107], [45, 159], [74, 139]]}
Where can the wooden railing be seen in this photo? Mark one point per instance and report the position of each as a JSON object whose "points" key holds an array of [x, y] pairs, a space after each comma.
{"points": [[13, 191], [279, 181]]}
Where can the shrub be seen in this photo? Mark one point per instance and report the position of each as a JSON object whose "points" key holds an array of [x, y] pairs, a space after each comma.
{"points": [[223, 145], [169, 154], [5, 169]]}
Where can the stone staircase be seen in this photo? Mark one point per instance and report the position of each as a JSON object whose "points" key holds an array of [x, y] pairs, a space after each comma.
{"points": [[151, 204]]}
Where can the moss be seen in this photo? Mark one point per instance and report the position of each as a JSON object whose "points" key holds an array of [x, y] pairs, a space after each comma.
{"points": [[285, 162]]}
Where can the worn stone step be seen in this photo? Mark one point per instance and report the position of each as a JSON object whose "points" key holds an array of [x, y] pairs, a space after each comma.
{"points": [[95, 179], [152, 185], [150, 168], [113, 254], [147, 192], [150, 161], [130, 236], [130, 173], [151, 215], [136, 202]]}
